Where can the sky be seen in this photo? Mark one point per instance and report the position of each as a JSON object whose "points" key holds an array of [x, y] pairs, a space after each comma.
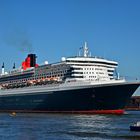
{"points": [[58, 28]]}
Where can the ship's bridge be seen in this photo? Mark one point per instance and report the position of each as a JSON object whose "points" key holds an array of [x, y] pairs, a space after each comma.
{"points": [[90, 68]]}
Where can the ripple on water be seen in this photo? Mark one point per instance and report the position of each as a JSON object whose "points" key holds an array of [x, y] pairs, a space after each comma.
{"points": [[68, 127]]}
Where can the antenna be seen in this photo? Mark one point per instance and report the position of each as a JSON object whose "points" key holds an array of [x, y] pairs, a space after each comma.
{"points": [[79, 53], [85, 49], [90, 54]]}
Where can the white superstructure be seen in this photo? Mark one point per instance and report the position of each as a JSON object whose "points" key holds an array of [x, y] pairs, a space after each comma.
{"points": [[91, 68], [82, 68]]}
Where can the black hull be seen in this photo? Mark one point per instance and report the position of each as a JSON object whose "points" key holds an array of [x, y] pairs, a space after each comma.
{"points": [[106, 99], [135, 128]]}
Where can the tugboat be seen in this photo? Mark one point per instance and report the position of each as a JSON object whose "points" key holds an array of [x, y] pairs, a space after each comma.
{"points": [[135, 127]]}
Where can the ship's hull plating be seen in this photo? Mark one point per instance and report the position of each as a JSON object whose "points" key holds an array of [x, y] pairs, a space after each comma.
{"points": [[104, 99]]}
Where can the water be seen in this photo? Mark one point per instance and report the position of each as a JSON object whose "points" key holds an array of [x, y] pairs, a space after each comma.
{"points": [[33, 126]]}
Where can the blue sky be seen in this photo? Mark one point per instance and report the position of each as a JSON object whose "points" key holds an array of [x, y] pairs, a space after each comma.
{"points": [[56, 28]]}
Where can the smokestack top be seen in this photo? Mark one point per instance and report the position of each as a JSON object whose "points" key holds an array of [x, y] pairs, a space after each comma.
{"points": [[3, 72], [30, 61], [14, 66]]}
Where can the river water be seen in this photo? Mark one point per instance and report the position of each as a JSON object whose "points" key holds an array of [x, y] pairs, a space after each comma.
{"points": [[31, 126]]}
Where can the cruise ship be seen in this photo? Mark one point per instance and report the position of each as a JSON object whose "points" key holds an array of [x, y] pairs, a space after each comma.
{"points": [[81, 84]]}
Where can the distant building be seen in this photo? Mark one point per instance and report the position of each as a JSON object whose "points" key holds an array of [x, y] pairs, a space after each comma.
{"points": [[134, 103]]}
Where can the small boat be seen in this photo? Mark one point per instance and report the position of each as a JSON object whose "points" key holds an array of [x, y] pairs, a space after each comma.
{"points": [[135, 127], [13, 114]]}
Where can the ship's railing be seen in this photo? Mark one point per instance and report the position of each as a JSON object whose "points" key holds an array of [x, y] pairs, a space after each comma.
{"points": [[119, 78], [14, 74], [132, 79], [30, 84]]}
